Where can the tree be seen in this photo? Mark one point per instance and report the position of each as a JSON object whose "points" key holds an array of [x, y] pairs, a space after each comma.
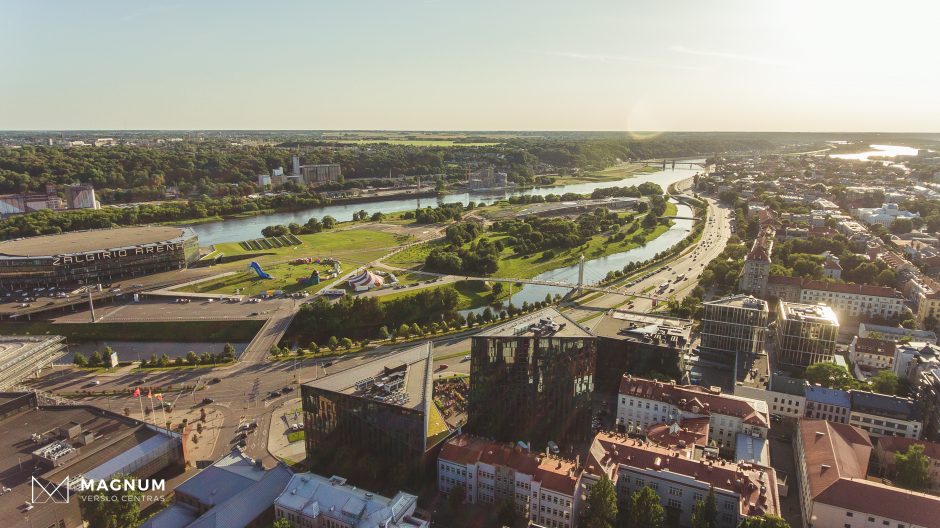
{"points": [[79, 360], [229, 350], [193, 359], [830, 375], [328, 222], [455, 499], [111, 509], [600, 509], [346, 343], [705, 513], [767, 520], [332, 343], [885, 382], [506, 512], [313, 347], [383, 332], [95, 360], [282, 523], [913, 468], [902, 226], [646, 510]]}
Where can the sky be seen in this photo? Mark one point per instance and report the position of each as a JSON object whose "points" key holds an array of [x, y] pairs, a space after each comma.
{"points": [[738, 65]]}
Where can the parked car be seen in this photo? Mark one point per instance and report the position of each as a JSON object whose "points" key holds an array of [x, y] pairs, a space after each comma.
{"points": [[207, 401]]}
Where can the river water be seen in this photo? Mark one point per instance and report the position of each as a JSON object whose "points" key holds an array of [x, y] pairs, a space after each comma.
{"points": [[886, 151], [238, 229]]}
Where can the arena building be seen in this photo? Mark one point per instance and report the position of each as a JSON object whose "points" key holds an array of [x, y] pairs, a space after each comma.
{"points": [[93, 257]]}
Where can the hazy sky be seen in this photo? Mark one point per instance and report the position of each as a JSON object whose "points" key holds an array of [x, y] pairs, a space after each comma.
{"points": [[471, 65]]}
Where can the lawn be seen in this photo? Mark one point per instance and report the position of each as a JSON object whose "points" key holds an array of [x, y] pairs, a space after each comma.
{"points": [[295, 436], [285, 277], [358, 246], [414, 256], [437, 427], [473, 294]]}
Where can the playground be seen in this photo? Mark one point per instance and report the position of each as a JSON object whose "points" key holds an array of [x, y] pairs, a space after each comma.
{"points": [[303, 274]]}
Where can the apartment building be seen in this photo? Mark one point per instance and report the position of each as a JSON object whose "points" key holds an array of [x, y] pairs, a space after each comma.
{"points": [[823, 403], [682, 475], [732, 326], [884, 415], [895, 333], [806, 334], [783, 395], [847, 300], [643, 403], [872, 354], [831, 467], [543, 488]]}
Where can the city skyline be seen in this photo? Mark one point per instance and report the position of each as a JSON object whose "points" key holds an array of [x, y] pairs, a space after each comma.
{"points": [[605, 66]]}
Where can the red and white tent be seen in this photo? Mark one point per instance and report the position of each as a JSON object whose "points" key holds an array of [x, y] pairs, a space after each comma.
{"points": [[366, 280]]}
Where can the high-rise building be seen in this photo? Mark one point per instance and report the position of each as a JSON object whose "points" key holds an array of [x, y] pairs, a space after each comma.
{"points": [[732, 326], [532, 379], [806, 334], [380, 411]]}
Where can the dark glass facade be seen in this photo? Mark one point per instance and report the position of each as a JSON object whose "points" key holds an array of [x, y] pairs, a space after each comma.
{"points": [[382, 430], [531, 388]]}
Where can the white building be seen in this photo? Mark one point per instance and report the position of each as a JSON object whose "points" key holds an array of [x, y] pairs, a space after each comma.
{"points": [[681, 476], [643, 403], [832, 465], [853, 300], [784, 395], [872, 354], [312, 501], [543, 488], [884, 215]]}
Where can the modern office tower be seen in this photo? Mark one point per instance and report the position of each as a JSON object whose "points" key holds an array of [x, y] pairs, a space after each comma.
{"points": [[732, 326], [380, 412], [806, 334], [531, 379]]}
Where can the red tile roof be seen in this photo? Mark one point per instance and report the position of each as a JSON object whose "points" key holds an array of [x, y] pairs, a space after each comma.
{"points": [[694, 399], [868, 345], [755, 485], [689, 431], [554, 473], [836, 459], [897, 444]]}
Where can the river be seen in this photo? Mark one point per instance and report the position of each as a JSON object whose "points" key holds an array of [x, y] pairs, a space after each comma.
{"points": [[597, 269], [238, 229], [884, 151]]}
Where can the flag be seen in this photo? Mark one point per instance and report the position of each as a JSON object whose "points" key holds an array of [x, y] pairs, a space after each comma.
{"points": [[149, 393], [159, 396], [137, 392]]}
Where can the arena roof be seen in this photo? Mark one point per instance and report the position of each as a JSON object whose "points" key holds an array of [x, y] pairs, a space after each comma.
{"points": [[88, 241]]}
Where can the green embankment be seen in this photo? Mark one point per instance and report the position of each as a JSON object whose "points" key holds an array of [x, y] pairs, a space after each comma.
{"points": [[177, 331]]}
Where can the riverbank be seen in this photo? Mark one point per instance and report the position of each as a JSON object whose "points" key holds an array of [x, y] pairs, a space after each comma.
{"points": [[175, 331], [615, 173]]}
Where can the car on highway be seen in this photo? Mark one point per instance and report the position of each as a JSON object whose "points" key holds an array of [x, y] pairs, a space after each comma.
{"points": [[442, 366], [207, 401], [213, 381], [274, 394], [467, 357]]}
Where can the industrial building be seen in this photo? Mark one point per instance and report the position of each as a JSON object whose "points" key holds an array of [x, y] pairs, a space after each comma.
{"points": [[532, 379], [56, 446], [93, 257], [23, 356], [806, 334]]}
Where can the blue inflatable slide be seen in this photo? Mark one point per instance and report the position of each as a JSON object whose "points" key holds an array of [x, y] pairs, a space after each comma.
{"points": [[261, 274]]}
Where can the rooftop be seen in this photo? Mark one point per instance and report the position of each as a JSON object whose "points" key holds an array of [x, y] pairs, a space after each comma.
{"points": [[884, 405], [820, 394], [810, 313], [836, 458], [400, 378], [787, 385], [867, 345], [547, 322], [314, 496], [648, 328], [89, 241], [740, 301], [697, 400], [756, 485]]}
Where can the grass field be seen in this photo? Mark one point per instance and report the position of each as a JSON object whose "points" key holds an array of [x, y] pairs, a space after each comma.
{"points": [[414, 256], [178, 331], [357, 246], [295, 436], [473, 294], [285, 277], [437, 427]]}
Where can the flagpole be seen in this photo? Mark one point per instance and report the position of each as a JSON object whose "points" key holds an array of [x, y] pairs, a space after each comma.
{"points": [[143, 417], [152, 411], [163, 412]]}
